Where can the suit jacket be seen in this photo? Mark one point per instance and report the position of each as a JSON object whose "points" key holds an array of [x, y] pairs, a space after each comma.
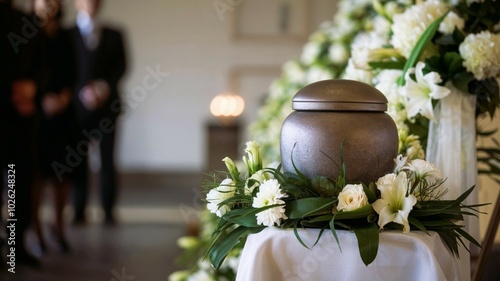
{"points": [[107, 61]]}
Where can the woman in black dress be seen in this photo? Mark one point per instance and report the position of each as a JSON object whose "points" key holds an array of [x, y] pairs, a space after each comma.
{"points": [[58, 120]]}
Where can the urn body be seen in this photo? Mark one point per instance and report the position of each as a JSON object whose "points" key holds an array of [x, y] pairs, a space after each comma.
{"points": [[339, 122]]}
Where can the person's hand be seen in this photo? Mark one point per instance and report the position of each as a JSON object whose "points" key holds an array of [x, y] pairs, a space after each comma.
{"points": [[54, 104], [23, 97], [94, 94]]}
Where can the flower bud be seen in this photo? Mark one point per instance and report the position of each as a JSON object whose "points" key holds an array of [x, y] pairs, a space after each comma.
{"points": [[231, 168]]}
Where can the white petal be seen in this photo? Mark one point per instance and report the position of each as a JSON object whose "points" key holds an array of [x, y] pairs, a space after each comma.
{"points": [[379, 205], [385, 216], [439, 92], [432, 78], [419, 72], [427, 110]]}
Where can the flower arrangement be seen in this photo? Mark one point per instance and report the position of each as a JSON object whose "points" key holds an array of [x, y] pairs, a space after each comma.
{"points": [[369, 41], [452, 46], [407, 199]]}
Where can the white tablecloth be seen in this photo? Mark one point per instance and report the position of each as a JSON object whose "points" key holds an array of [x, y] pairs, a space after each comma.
{"points": [[275, 254]]}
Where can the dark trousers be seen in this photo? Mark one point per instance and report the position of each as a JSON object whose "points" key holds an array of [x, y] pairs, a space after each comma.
{"points": [[107, 174], [19, 148]]}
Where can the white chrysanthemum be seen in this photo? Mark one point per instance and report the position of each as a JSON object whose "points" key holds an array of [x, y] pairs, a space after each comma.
{"points": [[481, 54], [381, 27], [215, 196], [409, 26], [423, 169], [310, 52], [353, 7], [337, 53], [343, 29], [353, 73], [361, 46], [318, 73], [294, 72], [449, 23], [270, 194]]}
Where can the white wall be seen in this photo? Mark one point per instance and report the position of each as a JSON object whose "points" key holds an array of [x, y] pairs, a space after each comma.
{"points": [[187, 39]]}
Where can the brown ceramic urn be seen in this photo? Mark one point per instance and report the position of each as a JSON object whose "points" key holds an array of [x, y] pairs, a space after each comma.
{"points": [[339, 116]]}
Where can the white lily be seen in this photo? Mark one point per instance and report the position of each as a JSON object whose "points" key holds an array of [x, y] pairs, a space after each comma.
{"points": [[394, 205], [421, 92], [252, 159]]}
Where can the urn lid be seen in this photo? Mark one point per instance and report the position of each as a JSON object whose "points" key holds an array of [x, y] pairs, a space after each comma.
{"points": [[339, 95]]}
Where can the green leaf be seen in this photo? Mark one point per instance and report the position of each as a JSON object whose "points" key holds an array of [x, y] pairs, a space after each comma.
{"points": [[418, 224], [296, 232], [458, 35], [468, 237], [308, 206], [323, 186], [225, 243], [368, 239], [461, 81], [319, 235], [387, 64], [245, 217], [453, 62], [362, 212], [420, 46], [334, 232], [369, 192], [322, 218]]}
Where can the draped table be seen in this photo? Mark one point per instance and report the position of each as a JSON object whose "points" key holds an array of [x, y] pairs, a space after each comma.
{"points": [[275, 254]]}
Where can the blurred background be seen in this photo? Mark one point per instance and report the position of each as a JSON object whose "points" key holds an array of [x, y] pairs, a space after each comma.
{"points": [[167, 137]]}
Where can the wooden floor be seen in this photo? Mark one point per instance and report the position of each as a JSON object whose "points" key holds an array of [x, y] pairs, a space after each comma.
{"points": [[152, 214]]}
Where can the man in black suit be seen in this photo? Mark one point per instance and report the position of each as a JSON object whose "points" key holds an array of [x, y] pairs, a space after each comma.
{"points": [[23, 61], [100, 59]]}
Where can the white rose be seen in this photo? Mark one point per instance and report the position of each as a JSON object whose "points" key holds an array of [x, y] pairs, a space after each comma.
{"points": [[352, 197]]}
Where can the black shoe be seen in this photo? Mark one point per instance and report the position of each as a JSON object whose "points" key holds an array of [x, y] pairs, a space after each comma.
{"points": [[79, 220], [43, 247], [110, 220], [63, 245], [25, 258]]}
